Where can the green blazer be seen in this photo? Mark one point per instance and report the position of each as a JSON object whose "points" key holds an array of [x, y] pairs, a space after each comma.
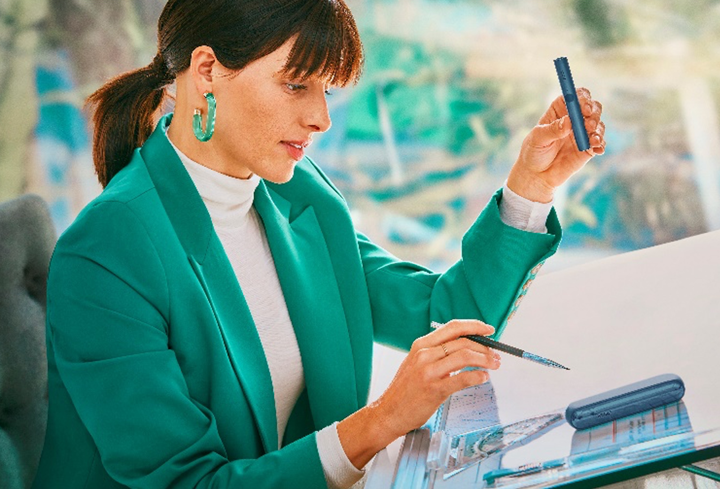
{"points": [[156, 374]]}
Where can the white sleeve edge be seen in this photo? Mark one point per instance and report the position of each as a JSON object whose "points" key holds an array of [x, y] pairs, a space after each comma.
{"points": [[340, 473], [522, 213]]}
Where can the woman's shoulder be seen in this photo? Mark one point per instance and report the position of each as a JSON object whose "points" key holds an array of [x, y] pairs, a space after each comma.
{"points": [[121, 205], [129, 183]]}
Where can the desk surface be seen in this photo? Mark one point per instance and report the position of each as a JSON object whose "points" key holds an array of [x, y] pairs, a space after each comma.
{"points": [[612, 322]]}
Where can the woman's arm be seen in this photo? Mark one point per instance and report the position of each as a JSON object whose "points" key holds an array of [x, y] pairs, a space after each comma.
{"points": [[497, 260], [485, 283], [405, 297]]}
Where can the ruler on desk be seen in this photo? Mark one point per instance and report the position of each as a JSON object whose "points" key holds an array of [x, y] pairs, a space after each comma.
{"points": [[463, 411], [410, 469]]}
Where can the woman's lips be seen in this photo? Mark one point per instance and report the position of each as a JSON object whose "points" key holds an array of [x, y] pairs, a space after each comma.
{"points": [[295, 153]]}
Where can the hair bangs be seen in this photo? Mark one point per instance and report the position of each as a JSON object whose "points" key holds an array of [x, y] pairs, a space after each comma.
{"points": [[328, 46]]}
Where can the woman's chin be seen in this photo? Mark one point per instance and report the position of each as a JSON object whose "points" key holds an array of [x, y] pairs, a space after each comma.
{"points": [[280, 177]]}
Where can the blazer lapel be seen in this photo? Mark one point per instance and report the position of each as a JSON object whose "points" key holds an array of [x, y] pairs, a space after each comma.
{"points": [[192, 223], [307, 279], [311, 293]]}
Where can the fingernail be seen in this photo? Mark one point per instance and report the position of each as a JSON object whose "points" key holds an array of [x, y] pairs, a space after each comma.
{"points": [[589, 108]]}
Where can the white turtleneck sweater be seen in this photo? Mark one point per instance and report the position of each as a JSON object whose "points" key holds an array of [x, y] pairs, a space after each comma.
{"points": [[229, 201]]}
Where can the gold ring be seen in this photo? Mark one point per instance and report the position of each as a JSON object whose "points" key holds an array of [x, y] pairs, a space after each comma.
{"points": [[442, 345]]}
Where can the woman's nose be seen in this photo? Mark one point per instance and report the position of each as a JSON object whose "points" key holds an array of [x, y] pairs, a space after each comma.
{"points": [[319, 117]]}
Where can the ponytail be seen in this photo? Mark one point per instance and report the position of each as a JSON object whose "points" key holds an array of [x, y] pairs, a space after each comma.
{"points": [[123, 115]]}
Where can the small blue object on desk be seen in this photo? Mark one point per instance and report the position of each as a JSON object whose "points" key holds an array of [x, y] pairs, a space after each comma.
{"points": [[625, 401], [562, 67], [534, 468]]}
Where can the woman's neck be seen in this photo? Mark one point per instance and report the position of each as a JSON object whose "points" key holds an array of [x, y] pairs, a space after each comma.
{"points": [[207, 154], [227, 198]]}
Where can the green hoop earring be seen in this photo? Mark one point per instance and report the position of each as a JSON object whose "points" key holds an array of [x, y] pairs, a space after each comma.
{"points": [[209, 124]]}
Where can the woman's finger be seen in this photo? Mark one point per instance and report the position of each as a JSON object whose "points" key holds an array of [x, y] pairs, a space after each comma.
{"points": [[443, 350], [585, 101], [596, 131], [590, 108], [600, 148], [591, 124], [464, 380], [583, 92], [557, 110], [461, 343], [600, 128], [464, 358], [451, 331], [596, 147]]}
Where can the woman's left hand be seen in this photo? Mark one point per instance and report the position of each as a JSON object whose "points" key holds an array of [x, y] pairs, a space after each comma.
{"points": [[549, 155]]}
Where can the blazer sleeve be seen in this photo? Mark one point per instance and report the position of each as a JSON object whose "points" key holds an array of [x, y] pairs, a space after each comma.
{"points": [[486, 283], [497, 265], [108, 324]]}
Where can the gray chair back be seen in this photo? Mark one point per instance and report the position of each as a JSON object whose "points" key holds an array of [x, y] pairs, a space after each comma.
{"points": [[27, 239]]}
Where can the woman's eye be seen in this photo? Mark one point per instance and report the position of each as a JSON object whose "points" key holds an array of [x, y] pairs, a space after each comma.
{"points": [[294, 87]]}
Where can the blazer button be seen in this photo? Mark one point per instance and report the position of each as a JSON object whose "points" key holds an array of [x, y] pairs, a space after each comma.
{"points": [[518, 301], [527, 284], [537, 268], [511, 315]]}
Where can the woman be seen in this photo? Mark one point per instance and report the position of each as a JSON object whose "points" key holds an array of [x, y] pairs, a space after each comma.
{"points": [[211, 314]]}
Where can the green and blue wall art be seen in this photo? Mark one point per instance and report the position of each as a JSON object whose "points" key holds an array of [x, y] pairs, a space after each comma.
{"points": [[449, 90]]}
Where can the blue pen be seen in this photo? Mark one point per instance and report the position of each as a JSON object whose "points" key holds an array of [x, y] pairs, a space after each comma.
{"points": [[571, 102], [527, 469], [569, 461]]}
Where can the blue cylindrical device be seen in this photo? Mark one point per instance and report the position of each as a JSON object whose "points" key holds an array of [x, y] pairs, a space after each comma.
{"points": [[571, 102]]}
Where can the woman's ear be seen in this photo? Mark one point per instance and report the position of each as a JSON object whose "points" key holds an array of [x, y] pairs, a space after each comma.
{"points": [[202, 62]]}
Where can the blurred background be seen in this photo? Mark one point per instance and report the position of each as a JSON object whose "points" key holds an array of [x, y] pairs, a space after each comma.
{"points": [[449, 91]]}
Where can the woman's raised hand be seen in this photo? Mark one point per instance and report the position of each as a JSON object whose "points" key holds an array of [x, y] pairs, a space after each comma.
{"points": [[424, 381], [549, 155]]}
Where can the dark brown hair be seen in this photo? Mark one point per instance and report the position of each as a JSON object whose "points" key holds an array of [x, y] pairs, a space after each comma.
{"points": [[239, 32]]}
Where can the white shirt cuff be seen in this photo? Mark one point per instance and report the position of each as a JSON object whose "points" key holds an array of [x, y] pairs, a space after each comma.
{"points": [[521, 213], [340, 473]]}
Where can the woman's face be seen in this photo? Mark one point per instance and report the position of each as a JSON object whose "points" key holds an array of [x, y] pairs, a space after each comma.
{"points": [[257, 110]]}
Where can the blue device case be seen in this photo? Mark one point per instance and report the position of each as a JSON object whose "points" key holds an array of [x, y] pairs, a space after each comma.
{"points": [[625, 401]]}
